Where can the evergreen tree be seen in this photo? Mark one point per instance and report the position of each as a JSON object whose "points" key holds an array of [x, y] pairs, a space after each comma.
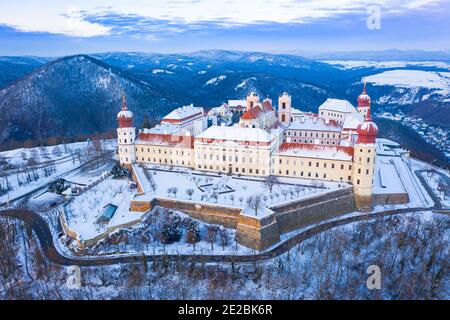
{"points": [[146, 123]]}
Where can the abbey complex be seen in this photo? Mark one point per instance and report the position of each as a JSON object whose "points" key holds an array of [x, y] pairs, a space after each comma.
{"points": [[336, 144]]}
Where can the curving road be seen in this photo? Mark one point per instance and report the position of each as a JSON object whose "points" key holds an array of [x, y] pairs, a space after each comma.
{"points": [[44, 235], [42, 231]]}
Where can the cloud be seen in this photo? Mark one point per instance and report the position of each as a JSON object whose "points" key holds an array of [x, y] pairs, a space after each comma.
{"points": [[151, 19]]}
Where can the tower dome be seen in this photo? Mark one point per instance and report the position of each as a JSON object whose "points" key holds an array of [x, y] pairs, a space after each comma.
{"points": [[367, 131], [125, 116], [363, 98]]}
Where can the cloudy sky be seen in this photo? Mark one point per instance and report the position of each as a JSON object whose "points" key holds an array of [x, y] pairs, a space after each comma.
{"points": [[52, 28]]}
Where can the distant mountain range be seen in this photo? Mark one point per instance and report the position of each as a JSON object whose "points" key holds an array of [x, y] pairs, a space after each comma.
{"points": [[76, 95]]}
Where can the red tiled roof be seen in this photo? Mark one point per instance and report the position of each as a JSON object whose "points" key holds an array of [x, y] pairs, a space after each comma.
{"points": [[256, 111], [252, 113], [296, 145], [167, 140]]}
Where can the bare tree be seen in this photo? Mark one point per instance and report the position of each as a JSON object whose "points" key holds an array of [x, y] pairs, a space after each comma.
{"points": [[254, 202], [190, 192], [270, 182]]}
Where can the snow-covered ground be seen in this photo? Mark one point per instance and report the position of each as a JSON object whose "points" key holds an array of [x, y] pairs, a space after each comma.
{"points": [[230, 191], [438, 81], [329, 265], [146, 237], [215, 81], [434, 180], [82, 212], [29, 169], [356, 64]]}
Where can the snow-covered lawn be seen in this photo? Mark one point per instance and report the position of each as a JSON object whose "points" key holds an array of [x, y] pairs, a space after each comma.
{"points": [[230, 191], [83, 211]]}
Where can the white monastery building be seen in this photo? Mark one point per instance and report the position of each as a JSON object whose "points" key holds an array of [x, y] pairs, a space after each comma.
{"points": [[336, 144]]}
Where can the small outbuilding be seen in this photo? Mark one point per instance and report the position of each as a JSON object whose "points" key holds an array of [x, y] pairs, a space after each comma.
{"points": [[107, 214]]}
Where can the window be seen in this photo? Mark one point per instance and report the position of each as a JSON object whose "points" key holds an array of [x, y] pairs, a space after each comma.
{"points": [[357, 181]]}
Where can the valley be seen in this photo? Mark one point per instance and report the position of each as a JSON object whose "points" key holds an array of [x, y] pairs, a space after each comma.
{"points": [[44, 99]]}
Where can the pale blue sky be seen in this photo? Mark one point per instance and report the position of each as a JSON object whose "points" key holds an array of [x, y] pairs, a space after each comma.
{"points": [[53, 28]]}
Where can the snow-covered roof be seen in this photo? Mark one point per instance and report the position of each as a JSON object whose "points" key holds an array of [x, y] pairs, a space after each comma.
{"points": [[125, 114], [162, 139], [237, 103], [352, 121], [163, 128], [337, 105], [316, 151], [236, 134], [184, 113], [315, 124]]}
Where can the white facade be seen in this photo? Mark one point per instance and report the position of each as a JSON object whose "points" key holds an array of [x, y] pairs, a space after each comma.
{"points": [[126, 139]]}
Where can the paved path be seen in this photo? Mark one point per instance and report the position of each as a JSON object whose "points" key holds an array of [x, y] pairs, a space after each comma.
{"points": [[42, 231]]}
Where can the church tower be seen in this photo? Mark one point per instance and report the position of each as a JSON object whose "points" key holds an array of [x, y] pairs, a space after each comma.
{"points": [[364, 102], [364, 163], [252, 100], [284, 108], [126, 135]]}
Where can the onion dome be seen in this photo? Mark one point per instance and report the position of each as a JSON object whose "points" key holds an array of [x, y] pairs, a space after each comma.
{"points": [[367, 131], [363, 98], [125, 116]]}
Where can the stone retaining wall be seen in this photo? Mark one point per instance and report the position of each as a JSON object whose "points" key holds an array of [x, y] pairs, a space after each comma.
{"points": [[260, 233], [394, 198], [210, 213]]}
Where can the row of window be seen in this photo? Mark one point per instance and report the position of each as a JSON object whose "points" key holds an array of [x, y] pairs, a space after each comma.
{"points": [[333, 114], [166, 161], [234, 159], [236, 169], [309, 174], [217, 149], [164, 151], [332, 142], [312, 134], [310, 164]]}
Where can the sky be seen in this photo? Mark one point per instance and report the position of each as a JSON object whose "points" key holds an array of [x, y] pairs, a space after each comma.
{"points": [[55, 28]]}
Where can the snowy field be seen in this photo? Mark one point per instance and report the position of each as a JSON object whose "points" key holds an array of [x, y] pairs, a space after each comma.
{"points": [[439, 81], [356, 64], [83, 211], [231, 191], [24, 170]]}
